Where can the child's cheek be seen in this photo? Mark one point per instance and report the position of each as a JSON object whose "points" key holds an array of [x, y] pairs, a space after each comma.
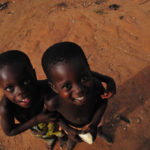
{"points": [[65, 95]]}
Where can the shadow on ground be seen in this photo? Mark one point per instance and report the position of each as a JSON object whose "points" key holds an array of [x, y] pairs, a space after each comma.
{"points": [[130, 96]]}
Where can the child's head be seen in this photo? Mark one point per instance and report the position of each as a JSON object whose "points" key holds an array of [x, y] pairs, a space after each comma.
{"points": [[17, 77], [68, 72]]}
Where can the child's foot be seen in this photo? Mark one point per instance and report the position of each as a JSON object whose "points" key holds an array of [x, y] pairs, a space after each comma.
{"points": [[105, 136], [51, 143], [49, 147], [70, 144]]}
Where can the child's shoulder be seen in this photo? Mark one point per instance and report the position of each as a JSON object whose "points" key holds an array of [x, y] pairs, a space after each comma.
{"points": [[52, 101]]}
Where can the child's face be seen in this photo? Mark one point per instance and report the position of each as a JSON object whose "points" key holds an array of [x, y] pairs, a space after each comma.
{"points": [[18, 84], [72, 81]]}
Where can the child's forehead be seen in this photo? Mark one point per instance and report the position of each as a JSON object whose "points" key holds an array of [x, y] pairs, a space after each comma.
{"points": [[14, 70], [74, 66], [74, 61]]}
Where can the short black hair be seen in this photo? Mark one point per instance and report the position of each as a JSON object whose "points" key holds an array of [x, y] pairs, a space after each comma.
{"points": [[14, 57], [61, 52]]}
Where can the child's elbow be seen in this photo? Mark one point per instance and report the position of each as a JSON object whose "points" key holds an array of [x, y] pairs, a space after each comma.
{"points": [[10, 133]]}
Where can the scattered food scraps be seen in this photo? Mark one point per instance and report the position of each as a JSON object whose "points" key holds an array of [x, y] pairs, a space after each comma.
{"points": [[4, 5]]}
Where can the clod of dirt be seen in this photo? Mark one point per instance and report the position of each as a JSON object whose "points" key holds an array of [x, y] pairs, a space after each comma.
{"points": [[138, 120], [114, 6], [4, 5]]}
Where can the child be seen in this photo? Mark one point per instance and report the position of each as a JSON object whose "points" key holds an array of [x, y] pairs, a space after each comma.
{"points": [[77, 96], [23, 98]]}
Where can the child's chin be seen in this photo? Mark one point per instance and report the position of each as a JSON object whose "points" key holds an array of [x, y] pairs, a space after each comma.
{"points": [[25, 105]]}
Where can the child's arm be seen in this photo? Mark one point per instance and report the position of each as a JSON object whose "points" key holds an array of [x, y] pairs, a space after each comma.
{"points": [[111, 86], [9, 126]]}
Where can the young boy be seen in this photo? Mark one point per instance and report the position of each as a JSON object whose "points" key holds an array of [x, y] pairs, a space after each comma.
{"points": [[77, 96], [23, 98]]}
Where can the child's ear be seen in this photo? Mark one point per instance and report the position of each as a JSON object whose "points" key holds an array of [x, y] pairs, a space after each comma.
{"points": [[53, 87]]}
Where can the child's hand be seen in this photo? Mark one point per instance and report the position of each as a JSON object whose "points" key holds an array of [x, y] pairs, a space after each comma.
{"points": [[107, 95], [110, 90]]}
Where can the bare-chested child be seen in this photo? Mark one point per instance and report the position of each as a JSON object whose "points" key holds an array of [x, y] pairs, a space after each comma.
{"points": [[23, 98], [77, 96]]}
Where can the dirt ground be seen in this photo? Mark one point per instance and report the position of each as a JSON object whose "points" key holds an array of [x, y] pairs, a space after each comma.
{"points": [[116, 43]]}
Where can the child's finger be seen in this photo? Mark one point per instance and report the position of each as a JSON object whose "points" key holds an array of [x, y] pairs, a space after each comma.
{"points": [[106, 95], [109, 94]]}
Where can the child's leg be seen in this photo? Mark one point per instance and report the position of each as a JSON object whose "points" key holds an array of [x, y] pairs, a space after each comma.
{"points": [[70, 144], [105, 136], [100, 126], [63, 141]]}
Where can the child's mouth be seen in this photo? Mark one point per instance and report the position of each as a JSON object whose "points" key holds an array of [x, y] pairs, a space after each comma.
{"points": [[79, 100], [25, 100]]}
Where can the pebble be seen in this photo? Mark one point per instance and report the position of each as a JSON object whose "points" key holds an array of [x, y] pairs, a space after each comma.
{"points": [[138, 120], [73, 21]]}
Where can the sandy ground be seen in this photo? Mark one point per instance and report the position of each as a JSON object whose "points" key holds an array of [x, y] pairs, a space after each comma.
{"points": [[116, 43]]}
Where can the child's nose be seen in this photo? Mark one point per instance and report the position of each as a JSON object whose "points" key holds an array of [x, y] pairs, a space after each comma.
{"points": [[19, 91], [77, 90]]}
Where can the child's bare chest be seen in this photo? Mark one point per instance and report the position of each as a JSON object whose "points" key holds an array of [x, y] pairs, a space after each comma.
{"points": [[78, 115]]}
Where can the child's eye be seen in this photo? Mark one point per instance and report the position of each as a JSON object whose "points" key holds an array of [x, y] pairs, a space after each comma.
{"points": [[67, 86], [84, 78], [10, 89], [27, 82]]}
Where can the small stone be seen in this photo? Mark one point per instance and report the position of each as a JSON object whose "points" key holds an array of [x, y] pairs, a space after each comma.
{"points": [[73, 21], [138, 120], [124, 128], [133, 18]]}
